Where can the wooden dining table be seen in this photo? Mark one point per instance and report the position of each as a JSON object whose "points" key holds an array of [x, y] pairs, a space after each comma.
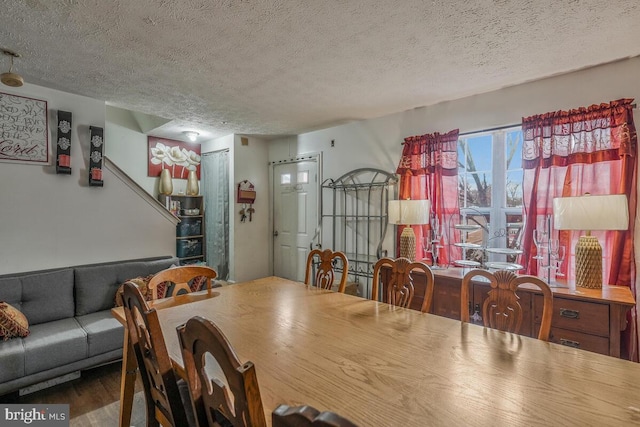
{"points": [[380, 365]]}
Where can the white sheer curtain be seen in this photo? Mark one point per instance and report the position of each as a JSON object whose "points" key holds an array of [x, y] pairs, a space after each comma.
{"points": [[215, 190]]}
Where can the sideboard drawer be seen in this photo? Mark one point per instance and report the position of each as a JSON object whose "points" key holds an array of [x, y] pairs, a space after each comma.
{"points": [[578, 340], [580, 316]]}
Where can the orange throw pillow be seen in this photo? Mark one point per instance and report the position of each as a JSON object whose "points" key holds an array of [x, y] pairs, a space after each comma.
{"points": [[12, 322]]}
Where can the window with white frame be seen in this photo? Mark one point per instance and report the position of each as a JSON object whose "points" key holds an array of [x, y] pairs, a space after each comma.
{"points": [[490, 188]]}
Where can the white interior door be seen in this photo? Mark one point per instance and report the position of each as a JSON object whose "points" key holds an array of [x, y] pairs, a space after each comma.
{"points": [[295, 216]]}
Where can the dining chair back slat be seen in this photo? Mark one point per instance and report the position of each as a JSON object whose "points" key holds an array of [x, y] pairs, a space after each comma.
{"points": [[234, 394], [181, 277], [501, 309], [164, 404], [325, 274], [400, 287]]}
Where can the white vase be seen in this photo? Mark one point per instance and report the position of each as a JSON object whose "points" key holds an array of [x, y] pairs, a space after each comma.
{"points": [[192, 184], [166, 184]]}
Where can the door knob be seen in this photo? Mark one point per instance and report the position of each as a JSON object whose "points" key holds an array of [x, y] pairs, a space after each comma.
{"points": [[275, 233]]}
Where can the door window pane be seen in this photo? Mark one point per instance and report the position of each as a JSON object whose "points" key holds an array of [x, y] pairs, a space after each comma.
{"points": [[303, 177]]}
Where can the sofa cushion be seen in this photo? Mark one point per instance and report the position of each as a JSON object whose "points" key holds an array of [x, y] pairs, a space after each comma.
{"points": [[95, 288], [160, 264], [11, 291], [12, 357], [12, 322], [144, 268], [132, 269], [104, 332], [54, 344], [96, 285], [47, 296]]}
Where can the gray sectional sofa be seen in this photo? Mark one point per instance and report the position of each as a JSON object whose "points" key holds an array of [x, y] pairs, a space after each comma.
{"points": [[70, 322]]}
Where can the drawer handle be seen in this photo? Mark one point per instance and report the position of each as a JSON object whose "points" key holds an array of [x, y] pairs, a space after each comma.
{"points": [[569, 314], [570, 343]]}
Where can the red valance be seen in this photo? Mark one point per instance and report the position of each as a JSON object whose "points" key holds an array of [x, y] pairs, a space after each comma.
{"points": [[424, 154], [584, 135]]}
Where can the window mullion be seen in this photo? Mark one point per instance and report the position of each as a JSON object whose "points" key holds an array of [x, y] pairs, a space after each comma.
{"points": [[498, 192]]}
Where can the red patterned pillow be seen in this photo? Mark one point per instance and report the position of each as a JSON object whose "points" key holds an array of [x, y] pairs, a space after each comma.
{"points": [[12, 322], [142, 284]]}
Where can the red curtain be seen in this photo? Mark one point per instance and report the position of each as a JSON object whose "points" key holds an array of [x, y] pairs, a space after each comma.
{"points": [[570, 153], [428, 169]]}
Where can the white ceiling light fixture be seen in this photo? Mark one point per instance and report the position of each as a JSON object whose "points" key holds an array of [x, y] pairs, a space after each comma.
{"points": [[10, 78], [192, 135]]}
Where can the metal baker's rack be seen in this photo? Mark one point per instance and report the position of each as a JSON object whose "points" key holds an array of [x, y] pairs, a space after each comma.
{"points": [[354, 219]]}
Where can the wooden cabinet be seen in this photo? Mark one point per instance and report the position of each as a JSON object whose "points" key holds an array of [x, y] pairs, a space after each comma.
{"points": [[589, 319], [578, 324], [190, 231], [446, 296]]}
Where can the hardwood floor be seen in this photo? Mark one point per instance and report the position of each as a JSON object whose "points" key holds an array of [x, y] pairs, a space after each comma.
{"points": [[94, 398]]}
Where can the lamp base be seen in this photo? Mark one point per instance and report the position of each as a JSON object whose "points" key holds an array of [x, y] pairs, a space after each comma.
{"points": [[408, 243], [588, 263]]}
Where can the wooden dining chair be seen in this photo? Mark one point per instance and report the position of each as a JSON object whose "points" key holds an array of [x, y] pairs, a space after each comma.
{"points": [[501, 309], [210, 395], [165, 404], [399, 289], [306, 416], [182, 278], [325, 274]]}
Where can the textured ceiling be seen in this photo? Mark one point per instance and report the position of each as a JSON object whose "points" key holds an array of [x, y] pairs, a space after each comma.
{"points": [[276, 67]]}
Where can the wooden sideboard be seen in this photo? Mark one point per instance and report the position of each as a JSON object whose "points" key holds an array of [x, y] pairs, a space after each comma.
{"points": [[589, 319]]}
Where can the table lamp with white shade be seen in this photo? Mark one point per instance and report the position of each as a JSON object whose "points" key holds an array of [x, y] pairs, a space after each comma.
{"points": [[588, 213], [408, 213]]}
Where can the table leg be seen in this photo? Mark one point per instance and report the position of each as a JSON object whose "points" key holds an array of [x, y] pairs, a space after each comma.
{"points": [[127, 381]]}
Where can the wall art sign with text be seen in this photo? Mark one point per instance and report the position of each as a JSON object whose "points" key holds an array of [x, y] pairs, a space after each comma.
{"points": [[24, 135], [177, 156]]}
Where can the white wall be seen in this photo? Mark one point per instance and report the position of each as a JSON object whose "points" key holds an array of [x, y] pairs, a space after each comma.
{"points": [[376, 143], [49, 220], [252, 239], [127, 147]]}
